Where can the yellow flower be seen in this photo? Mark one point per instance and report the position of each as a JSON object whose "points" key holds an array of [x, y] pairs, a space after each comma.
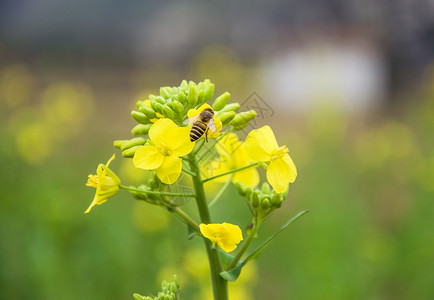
{"points": [[233, 155], [105, 182], [169, 142], [262, 146], [159, 116], [217, 122], [225, 235]]}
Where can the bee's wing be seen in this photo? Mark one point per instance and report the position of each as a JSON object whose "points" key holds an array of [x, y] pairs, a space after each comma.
{"points": [[191, 120], [211, 125]]}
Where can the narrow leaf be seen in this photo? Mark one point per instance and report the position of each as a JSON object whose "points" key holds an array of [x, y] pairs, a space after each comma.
{"points": [[259, 250], [234, 273], [225, 258]]}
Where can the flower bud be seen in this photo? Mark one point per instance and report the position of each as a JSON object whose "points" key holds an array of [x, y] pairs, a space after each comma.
{"points": [[221, 101], [192, 95], [140, 117], [182, 97], [240, 188], [160, 100], [149, 112], [139, 141], [254, 199], [140, 103], [275, 200], [241, 120], [176, 281], [229, 107], [265, 204], [226, 117], [166, 92], [141, 129], [129, 153], [118, 143], [265, 188], [184, 84], [209, 91], [140, 297], [177, 107], [249, 191], [200, 99], [158, 107], [168, 112]]}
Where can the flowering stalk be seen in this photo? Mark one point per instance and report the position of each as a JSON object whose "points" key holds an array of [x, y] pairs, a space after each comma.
{"points": [[167, 133], [220, 285]]}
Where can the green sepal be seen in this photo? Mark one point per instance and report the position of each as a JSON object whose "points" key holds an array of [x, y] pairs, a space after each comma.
{"points": [[225, 257]]}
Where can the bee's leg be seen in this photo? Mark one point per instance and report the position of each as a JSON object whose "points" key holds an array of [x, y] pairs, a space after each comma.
{"points": [[206, 135]]}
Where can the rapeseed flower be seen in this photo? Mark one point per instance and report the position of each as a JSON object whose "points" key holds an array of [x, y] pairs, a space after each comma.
{"points": [[225, 235], [106, 183], [167, 143], [218, 124], [233, 155], [261, 145]]}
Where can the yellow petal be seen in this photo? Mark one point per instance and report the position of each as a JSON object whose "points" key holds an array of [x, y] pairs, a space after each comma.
{"points": [[170, 169], [160, 130], [248, 177], [148, 158], [281, 172], [232, 237], [261, 143], [179, 142]]}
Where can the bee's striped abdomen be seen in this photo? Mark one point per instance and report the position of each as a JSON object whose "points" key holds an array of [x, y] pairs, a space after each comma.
{"points": [[197, 130]]}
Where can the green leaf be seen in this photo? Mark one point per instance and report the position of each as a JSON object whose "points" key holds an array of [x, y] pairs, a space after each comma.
{"points": [[233, 273], [259, 250], [225, 258]]}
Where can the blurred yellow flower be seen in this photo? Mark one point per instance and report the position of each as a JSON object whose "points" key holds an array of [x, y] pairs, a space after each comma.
{"points": [[225, 235], [106, 183], [217, 122], [233, 155], [262, 146], [169, 142]]}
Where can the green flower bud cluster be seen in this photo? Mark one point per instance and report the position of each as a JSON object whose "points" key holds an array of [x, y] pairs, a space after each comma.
{"points": [[169, 291], [172, 103], [263, 200]]}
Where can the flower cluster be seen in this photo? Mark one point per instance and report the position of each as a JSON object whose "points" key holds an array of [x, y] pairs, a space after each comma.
{"points": [[177, 131]]}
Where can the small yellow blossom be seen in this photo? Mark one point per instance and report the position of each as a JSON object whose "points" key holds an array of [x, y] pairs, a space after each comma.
{"points": [[169, 142], [233, 155], [106, 183], [217, 122], [225, 235], [262, 146]]}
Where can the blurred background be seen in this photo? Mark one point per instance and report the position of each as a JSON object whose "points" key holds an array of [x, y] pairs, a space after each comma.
{"points": [[348, 86]]}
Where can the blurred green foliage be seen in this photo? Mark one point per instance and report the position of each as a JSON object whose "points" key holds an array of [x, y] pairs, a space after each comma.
{"points": [[369, 182]]}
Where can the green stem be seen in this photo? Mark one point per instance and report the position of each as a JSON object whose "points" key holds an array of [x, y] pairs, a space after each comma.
{"points": [[221, 192], [188, 172], [220, 285], [156, 192], [243, 249], [230, 172], [185, 217]]}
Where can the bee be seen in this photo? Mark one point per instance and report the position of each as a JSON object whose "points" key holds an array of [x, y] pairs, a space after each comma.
{"points": [[202, 122]]}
